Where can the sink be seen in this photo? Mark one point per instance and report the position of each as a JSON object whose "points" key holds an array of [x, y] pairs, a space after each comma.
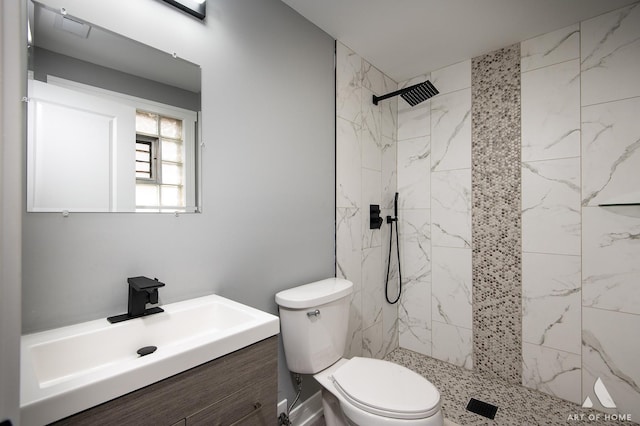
{"points": [[70, 369]]}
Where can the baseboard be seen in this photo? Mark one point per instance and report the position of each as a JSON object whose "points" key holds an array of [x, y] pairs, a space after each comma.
{"points": [[308, 411]]}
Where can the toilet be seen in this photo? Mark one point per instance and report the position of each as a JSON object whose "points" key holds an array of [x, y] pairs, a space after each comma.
{"points": [[314, 321]]}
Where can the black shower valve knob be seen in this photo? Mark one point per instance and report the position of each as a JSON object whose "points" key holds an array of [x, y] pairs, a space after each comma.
{"points": [[375, 221]]}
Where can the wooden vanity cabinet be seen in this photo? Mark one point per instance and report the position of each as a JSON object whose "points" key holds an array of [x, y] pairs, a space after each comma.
{"points": [[237, 389]]}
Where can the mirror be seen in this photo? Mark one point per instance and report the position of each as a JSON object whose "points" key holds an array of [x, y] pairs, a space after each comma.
{"points": [[113, 124]]}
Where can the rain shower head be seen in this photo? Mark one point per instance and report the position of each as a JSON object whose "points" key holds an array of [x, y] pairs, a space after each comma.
{"points": [[413, 94]]}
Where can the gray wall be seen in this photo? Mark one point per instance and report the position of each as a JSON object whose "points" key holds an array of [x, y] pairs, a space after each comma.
{"points": [[45, 62], [268, 174], [12, 88]]}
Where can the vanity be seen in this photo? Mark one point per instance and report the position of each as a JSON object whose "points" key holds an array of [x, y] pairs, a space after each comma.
{"points": [[236, 389], [215, 364]]}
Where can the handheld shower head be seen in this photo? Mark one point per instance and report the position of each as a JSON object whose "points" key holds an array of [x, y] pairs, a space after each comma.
{"points": [[413, 94], [395, 206]]}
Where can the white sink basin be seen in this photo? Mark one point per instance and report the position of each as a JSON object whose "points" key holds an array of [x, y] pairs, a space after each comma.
{"points": [[70, 369]]}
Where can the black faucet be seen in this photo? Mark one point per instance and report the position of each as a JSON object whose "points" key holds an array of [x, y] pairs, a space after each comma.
{"points": [[142, 290]]}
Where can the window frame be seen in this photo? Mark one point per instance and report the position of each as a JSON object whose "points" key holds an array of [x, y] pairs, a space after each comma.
{"points": [[155, 152]]}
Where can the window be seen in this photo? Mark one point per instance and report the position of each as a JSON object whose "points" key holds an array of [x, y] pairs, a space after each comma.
{"points": [[159, 162], [146, 148]]}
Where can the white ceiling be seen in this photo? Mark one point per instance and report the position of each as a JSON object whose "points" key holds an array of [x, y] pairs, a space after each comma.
{"points": [[111, 50], [406, 38]]}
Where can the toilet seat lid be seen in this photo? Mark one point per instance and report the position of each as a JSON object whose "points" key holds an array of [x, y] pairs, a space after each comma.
{"points": [[387, 389]]}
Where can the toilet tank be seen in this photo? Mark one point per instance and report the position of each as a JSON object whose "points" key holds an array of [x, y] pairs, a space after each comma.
{"points": [[314, 321]]}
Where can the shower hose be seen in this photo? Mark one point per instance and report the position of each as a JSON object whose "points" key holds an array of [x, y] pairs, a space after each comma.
{"points": [[386, 285]]}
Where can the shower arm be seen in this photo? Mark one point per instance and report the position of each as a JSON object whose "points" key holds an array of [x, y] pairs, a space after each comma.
{"points": [[376, 99]]}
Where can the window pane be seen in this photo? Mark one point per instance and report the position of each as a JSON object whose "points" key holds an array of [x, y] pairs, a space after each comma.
{"points": [[172, 173], [171, 196], [146, 122], [143, 160], [146, 195], [171, 151], [143, 156], [171, 128]]}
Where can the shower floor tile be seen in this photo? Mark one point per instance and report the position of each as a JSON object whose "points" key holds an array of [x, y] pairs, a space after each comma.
{"points": [[517, 405]]}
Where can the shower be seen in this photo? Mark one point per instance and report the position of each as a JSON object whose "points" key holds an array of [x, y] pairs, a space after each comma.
{"points": [[413, 94]]}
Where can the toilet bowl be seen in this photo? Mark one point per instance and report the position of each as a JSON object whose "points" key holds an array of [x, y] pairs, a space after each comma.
{"points": [[374, 392], [358, 391]]}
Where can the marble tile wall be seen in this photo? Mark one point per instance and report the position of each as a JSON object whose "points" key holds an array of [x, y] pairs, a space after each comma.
{"points": [[414, 188], [581, 148], [551, 214], [610, 100], [434, 182], [365, 174]]}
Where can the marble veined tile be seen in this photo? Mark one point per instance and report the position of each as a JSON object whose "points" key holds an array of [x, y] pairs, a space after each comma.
{"points": [[451, 131], [372, 342], [349, 266], [371, 133], [414, 178], [348, 164], [348, 83], [551, 112], [414, 317], [610, 55], [389, 111], [610, 151], [414, 122], [372, 78], [453, 77], [390, 324], [611, 261], [451, 208], [452, 344], [551, 303], [451, 286], [550, 48], [610, 348], [371, 194], [415, 244], [389, 172], [551, 206], [348, 229], [372, 286], [354, 336], [414, 310], [551, 371]]}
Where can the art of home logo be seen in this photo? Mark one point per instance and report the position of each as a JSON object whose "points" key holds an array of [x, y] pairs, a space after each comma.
{"points": [[603, 396], [607, 402]]}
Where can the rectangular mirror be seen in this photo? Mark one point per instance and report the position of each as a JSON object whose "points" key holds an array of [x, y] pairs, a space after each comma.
{"points": [[112, 125]]}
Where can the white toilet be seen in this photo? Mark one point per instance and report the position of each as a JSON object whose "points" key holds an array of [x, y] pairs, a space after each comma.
{"points": [[314, 321]]}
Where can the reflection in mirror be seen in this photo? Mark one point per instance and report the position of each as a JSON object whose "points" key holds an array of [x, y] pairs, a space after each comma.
{"points": [[112, 123]]}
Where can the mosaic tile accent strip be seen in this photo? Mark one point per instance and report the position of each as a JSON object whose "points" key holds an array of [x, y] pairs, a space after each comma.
{"points": [[517, 405], [496, 218]]}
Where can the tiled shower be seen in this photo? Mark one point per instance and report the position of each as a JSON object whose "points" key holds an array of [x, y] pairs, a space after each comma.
{"points": [[553, 302]]}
